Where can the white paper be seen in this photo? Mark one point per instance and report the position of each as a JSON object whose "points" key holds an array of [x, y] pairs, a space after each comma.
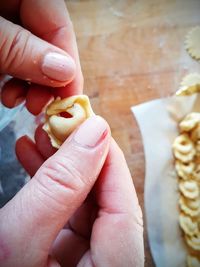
{"points": [[158, 122]]}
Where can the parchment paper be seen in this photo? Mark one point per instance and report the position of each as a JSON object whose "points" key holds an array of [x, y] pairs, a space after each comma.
{"points": [[158, 124]]}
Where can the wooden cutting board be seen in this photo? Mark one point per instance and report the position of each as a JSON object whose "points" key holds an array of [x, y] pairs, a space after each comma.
{"points": [[132, 52]]}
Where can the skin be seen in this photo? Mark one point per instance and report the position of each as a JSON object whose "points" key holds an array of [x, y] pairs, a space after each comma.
{"points": [[80, 207]]}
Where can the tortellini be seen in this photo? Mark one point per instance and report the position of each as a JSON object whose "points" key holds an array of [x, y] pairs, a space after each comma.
{"points": [[186, 149], [193, 241], [190, 122], [193, 261], [184, 170], [189, 226], [189, 189], [190, 207], [63, 116]]}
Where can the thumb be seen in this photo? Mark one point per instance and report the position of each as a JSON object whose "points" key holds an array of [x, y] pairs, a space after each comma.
{"points": [[40, 210], [25, 56]]}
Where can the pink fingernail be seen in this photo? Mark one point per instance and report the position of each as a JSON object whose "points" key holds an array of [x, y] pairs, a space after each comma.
{"points": [[58, 67], [92, 132]]}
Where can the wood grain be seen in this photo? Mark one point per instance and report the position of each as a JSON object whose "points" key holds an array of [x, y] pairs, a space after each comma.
{"points": [[132, 52]]}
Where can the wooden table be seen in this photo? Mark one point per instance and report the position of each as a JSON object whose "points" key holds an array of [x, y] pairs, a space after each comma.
{"points": [[132, 52]]}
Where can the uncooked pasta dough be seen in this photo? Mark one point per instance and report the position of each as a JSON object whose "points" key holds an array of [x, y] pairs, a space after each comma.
{"points": [[192, 43]]}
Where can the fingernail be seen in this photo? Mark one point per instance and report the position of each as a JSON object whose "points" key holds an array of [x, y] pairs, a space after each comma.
{"points": [[58, 67], [92, 132]]}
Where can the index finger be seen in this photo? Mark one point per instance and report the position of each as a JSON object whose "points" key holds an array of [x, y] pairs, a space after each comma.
{"points": [[53, 24]]}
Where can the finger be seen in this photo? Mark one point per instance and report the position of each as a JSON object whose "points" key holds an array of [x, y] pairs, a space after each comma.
{"points": [[114, 189], [119, 218], [70, 244], [73, 88], [37, 98], [28, 155], [58, 188], [43, 143], [82, 221], [52, 262], [25, 56], [2, 77], [58, 32], [9, 9], [13, 93]]}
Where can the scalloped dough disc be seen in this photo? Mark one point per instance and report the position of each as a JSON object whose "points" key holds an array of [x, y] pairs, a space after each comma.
{"points": [[192, 43], [190, 84]]}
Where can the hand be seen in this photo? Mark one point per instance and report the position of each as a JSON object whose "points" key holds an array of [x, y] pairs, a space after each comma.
{"points": [[42, 51], [65, 216]]}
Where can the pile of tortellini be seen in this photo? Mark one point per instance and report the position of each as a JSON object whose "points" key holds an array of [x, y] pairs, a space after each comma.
{"points": [[186, 149]]}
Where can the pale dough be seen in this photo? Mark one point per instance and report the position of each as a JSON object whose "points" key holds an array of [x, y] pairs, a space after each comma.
{"points": [[193, 241], [187, 224], [192, 43], [193, 261], [190, 84], [58, 127], [189, 122], [190, 207], [186, 149]]}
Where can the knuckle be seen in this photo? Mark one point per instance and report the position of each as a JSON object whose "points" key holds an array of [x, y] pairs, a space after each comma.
{"points": [[59, 182], [13, 48], [64, 173]]}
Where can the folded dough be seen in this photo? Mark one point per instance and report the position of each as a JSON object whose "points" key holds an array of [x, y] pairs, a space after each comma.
{"points": [[59, 127], [189, 85], [192, 42], [192, 261]]}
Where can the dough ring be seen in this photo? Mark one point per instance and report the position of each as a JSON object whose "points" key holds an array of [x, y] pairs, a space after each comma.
{"points": [[192, 43], [63, 116], [196, 174], [183, 148], [185, 158], [190, 207], [190, 84], [193, 241], [195, 134], [192, 261], [190, 121], [188, 226], [184, 170], [189, 189], [197, 145], [183, 144]]}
